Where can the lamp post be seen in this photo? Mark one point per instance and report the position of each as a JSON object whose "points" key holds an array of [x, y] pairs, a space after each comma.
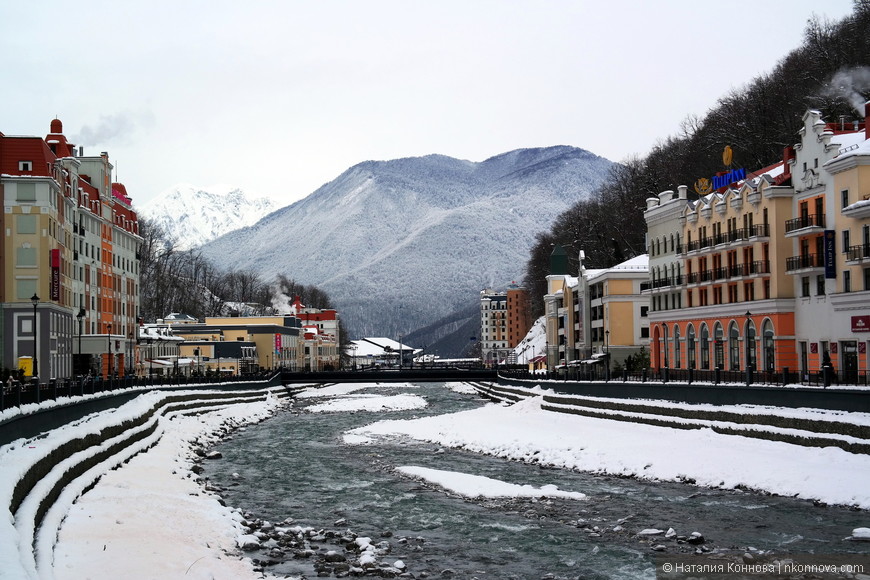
{"points": [[607, 355], [129, 365], [80, 316], [35, 300], [150, 360], [748, 358], [110, 364], [666, 371]]}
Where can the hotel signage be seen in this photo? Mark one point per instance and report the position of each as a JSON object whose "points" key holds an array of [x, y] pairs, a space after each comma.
{"points": [[861, 323], [830, 254], [704, 186], [55, 274]]}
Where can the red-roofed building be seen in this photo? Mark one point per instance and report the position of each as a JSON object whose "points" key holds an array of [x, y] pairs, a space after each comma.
{"points": [[71, 247]]}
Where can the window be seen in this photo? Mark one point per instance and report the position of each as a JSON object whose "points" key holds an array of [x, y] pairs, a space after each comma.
{"points": [[25, 224], [25, 166], [25, 257], [644, 332], [846, 241], [26, 192], [820, 285], [24, 289], [847, 281], [805, 286], [643, 311], [844, 198]]}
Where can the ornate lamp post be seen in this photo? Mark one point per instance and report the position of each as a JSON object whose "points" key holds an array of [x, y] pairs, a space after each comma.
{"points": [[35, 300], [150, 360], [748, 352], [607, 355], [110, 364], [80, 316]]}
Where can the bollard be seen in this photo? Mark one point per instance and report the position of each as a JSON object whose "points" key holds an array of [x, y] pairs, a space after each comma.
{"points": [[784, 376], [717, 375]]}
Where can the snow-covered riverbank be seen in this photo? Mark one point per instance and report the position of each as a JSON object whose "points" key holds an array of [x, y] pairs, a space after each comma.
{"points": [[150, 518]]}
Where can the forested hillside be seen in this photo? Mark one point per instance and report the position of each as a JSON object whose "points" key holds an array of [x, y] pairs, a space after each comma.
{"points": [[830, 72]]}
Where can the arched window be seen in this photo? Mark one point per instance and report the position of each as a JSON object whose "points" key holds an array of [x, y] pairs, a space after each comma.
{"points": [[678, 355], [767, 346], [705, 347], [719, 345], [749, 335], [690, 346], [733, 347]]}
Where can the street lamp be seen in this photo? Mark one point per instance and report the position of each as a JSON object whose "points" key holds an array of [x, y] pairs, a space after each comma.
{"points": [[35, 300], [110, 364], [80, 316], [748, 358], [607, 355], [150, 360]]}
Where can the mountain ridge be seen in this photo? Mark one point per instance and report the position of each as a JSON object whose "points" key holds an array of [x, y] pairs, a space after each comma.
{"points": [[400, 243]]}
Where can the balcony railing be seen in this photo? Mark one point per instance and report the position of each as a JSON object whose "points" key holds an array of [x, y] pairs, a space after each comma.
{"points": [[858, 252], [804, 261], [698, 277], [699, 244], [807, 221]]}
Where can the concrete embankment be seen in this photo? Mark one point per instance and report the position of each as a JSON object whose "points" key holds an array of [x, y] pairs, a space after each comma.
{"points": [[807, 427], [64, 463]]}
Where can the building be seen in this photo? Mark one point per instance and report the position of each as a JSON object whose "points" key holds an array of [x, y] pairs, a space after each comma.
{"points": [[70, 260], [748, 277], [600, 315], [519, 314], [494, 347]]}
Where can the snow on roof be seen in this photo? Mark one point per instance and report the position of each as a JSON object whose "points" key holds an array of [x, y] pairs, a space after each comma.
{"points": [[857, 148]]}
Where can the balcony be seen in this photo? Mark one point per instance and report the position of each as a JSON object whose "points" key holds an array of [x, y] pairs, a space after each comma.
{"points": [[750, 269], [699, 277], [699, 244], [858, 254], [665, 282], [805, 224], [804, 262]]}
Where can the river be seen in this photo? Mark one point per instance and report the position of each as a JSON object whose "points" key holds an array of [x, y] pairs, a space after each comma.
{"points": [[295, 468]]}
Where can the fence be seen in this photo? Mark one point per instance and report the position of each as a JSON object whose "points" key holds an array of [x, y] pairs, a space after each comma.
{"points": [[19, 393], [784, 377]]}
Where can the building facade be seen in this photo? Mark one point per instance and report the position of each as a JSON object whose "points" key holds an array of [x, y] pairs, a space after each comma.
{"points": [[749, 277], [494, 347], [70, 290]]}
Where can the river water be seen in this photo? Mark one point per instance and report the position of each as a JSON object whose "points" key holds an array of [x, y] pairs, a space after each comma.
{"points": [[296, 466]]}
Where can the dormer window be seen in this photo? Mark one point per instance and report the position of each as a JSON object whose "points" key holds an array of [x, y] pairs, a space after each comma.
{"points": [[25, 166]]}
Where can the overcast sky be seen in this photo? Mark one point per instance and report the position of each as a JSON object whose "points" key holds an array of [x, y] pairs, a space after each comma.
{"points": [[280, 97]]}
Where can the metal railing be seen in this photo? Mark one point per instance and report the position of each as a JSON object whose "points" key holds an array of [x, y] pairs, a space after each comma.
{"points": [[858, 252], [806, 221], [804, 261], [24, 393]]}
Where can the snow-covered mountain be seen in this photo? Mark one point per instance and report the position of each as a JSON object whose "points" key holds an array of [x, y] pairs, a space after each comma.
{"points": [[399, 244], [196, 215]]}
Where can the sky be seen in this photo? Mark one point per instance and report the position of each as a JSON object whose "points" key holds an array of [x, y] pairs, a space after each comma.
{"points": [[279, 97]]}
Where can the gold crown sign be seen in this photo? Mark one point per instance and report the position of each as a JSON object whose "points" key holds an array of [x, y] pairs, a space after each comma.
{"points": [[703, 186]]}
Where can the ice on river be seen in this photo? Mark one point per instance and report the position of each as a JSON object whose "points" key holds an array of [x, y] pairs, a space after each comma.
{"points": [[371, 403], [479, 486]]}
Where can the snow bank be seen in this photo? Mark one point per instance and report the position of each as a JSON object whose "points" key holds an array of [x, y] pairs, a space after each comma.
{"points": [[525, 432]]}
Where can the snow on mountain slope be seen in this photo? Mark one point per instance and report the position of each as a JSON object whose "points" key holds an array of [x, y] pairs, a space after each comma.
{"points": [[399, 244], [196, 215]]}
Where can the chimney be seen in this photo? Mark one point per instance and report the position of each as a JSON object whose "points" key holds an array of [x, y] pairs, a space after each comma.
{"points": [[867, 120], [681, 191], [666, 196]]}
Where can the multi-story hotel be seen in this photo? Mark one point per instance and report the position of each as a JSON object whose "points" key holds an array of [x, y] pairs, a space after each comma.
{"points": [[598, 312], [70, 290], [749, 275]]}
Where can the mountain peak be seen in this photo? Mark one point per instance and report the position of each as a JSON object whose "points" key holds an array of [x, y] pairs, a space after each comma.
{"points": [[194, 215]]}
